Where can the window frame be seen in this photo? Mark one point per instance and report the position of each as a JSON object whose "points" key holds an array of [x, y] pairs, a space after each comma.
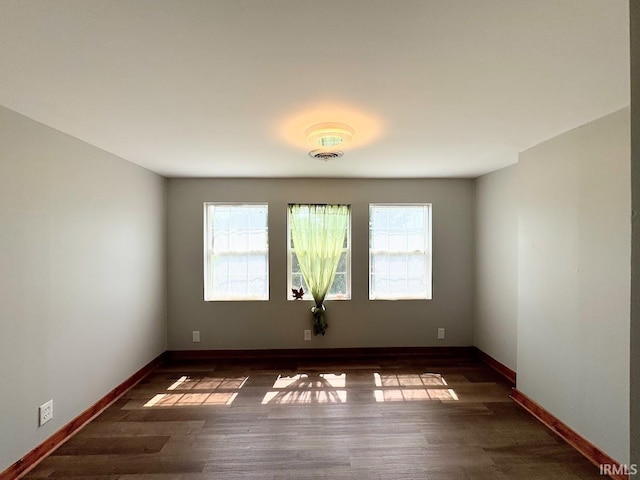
{"points": [[347, 250], [208, 251], [428, 253]]}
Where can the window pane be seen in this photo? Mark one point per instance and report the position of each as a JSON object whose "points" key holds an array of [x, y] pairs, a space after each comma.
{"points": [[342, 264], [379, 240], [340, 288], [237, 252], [297, 281], [295, 265], [399, 252], [416, 264]]}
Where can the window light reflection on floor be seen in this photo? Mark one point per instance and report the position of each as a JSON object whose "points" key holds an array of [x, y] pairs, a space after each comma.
{"points": [[191, 399], [412, 388], [320, 380], [188, 391], [307, 388]]}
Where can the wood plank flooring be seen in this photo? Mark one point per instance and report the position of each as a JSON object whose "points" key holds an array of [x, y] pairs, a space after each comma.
{"points": [[375, 419]]}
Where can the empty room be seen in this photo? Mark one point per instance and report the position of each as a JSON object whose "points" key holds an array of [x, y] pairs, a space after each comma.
{"points": [[293, 239]]}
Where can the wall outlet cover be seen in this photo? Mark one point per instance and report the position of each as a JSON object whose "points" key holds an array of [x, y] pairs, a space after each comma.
{"points": [[195, 336], [46, 412]]}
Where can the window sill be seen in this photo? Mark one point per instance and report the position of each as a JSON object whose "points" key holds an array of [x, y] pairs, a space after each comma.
{"points": [[210, 300], [330, 299]]}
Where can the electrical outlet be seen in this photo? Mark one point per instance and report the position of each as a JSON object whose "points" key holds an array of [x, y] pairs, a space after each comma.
{"points": [[441, 334], [195, 336], [46, 412], [307, 334]]}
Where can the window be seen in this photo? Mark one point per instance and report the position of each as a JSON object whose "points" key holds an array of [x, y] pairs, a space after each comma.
{"points": [[399, 251], [341, 286], [236, 257]]}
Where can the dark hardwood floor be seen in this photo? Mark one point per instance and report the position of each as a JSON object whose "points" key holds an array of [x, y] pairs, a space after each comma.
{"points": [[406, 418]]}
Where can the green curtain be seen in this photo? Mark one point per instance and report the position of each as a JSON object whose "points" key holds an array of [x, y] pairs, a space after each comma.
{"points": [[318, 233]]}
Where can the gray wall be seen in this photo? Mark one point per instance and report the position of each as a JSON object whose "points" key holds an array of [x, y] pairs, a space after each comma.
{"points": [[496, 286], [279, 323], [574, 279], [635, 262], [82, 281]]}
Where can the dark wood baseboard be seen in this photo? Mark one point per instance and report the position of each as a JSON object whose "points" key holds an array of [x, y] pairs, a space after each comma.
{"points": [[36, 455], [502, 369], [594, 454], [303, 354]]}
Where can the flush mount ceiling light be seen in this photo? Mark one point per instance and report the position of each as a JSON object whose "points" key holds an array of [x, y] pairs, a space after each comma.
{"points": [[328, 135]]}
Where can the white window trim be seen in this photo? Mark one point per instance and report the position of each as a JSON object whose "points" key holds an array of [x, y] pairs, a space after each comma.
{"points": [[290, 250], [207, 254], [428, 253]]}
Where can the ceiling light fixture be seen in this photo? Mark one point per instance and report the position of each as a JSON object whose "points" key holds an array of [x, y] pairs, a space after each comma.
{"points": [[328, 135], [325, 155]]}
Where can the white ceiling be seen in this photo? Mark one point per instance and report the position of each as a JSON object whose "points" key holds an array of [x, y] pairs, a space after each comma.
{"points": [[432, 88]]}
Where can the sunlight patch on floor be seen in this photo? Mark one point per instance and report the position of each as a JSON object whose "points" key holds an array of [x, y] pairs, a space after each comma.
{"points": [[188, 391]]}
